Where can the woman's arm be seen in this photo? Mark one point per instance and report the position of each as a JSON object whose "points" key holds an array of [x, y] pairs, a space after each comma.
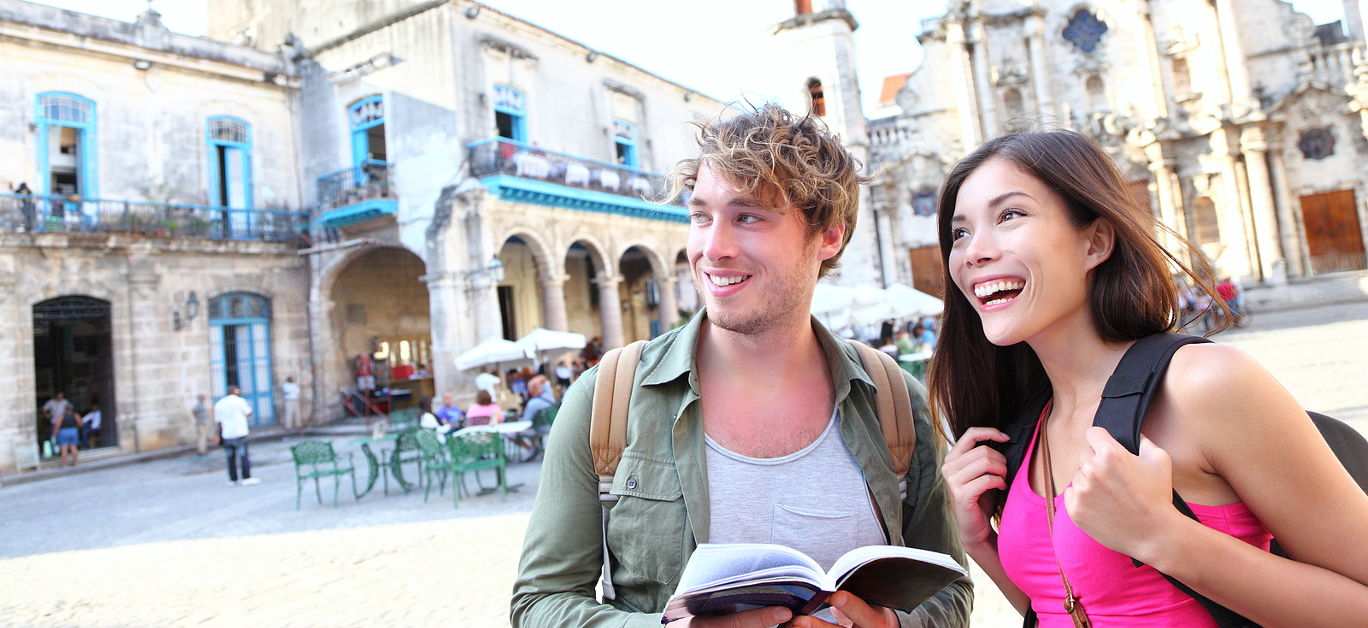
{"points": [[1258, 440], [971, 469]]}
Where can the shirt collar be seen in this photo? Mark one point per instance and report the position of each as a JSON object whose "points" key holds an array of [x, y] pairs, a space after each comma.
{"points": [[677, 357]]}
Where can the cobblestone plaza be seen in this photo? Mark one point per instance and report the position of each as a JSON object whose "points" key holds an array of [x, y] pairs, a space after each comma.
{"points": [[168, 543]]}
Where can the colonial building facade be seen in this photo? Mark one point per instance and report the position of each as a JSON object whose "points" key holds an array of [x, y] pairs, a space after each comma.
{"points": [[1242, 125], [399, 180]]}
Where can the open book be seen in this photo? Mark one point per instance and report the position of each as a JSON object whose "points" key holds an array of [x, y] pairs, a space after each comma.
{"points": [[723, 578]]}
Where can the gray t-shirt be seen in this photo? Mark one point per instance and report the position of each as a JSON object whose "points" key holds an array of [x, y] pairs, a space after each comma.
{"points": [[813, 500]]}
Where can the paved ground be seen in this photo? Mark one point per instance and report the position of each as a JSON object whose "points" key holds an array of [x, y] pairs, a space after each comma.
{"points": [[167, 543]]}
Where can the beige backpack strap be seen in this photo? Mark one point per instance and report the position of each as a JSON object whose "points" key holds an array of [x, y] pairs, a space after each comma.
{"points": [[612, 395], [608, 433], [893, 406]]}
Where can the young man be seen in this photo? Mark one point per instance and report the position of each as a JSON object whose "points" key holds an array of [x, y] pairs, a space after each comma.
{"points": [[752, 423], [231, 414], [289, 393]]}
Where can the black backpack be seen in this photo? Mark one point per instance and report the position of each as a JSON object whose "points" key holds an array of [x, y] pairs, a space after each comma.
{"points": [[1124, 400]]}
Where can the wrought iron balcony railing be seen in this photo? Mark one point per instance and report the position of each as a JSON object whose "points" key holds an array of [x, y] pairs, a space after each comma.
{"points": [[367, 180], [499, 155], [24, 213]]}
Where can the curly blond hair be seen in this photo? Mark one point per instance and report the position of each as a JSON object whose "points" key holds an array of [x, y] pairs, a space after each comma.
{"points": [[783, 160]]}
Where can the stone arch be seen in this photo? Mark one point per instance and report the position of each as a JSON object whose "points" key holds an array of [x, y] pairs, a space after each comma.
{"points": [[652, 257], [332, 269], [536, 244], [598, 253]]}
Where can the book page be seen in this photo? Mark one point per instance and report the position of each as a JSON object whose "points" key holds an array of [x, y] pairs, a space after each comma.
{"points": [[714, 562], [861, 555]]}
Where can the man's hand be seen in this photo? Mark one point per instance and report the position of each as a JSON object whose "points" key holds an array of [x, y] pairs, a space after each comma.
{"points": [[758, 618], [851, 611]]}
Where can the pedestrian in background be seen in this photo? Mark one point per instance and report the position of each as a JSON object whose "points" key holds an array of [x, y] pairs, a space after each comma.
{"points": [[90, 427], [201, 414], [230, 413], [68, 434], [289, 391]]}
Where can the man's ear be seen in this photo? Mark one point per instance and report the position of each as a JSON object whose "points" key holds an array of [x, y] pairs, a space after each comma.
{"points": [[832, 239], [1101, 242]]}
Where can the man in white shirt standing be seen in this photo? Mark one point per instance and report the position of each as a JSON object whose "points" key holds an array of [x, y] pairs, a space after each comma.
{"points": [[231, 414], [488, 382], [289, 391]]}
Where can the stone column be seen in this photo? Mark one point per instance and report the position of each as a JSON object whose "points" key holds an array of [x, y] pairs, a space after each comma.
{"points": [[446, 295], [137, 430], [1040, 74], [1288, 227], [1255, 149], [1237, 73], [983, 86], [610, 310], [669, 306], [1162, 172], [16, 401], [961, 74], [554, 316]]}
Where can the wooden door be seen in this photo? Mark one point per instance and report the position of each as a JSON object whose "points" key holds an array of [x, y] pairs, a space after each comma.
{"points": [[1333, 237], [927, 273]]}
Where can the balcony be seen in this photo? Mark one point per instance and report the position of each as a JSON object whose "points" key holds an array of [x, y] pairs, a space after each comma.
{"points": [[523, 173], [22, 213], [356, 194]]}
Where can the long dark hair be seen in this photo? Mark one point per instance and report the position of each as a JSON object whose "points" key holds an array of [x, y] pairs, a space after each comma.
{"points": [[1132, 293]]}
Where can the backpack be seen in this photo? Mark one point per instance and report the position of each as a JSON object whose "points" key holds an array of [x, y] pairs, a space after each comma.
{"points": [[1125, 398], [613, 393]]}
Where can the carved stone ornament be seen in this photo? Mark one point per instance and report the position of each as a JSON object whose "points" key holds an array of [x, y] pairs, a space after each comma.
{"points": [[1085, 31], [1011, 72], [1316, 144]]}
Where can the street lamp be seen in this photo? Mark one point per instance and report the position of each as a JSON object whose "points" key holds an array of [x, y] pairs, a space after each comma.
{"points": [[495, 270], [191, 309]]}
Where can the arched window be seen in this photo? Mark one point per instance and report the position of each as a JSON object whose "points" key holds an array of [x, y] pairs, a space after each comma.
{"points": [[1011, 102], [625, 143], [510, 113], [1206, 227], [817, 97], [1182, 77], [1097, 93], [367, 119], [229, 141], [66, 145]]}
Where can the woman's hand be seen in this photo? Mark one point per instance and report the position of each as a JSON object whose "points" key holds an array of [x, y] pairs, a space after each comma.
{"points": [[1122, 500], [971, 470]]}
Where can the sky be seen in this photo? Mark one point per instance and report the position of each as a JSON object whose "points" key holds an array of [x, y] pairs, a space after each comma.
{"points": [[716, 48]]}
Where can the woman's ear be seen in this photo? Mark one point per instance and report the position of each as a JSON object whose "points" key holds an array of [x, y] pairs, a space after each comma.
{"points": [[1101, 242]]}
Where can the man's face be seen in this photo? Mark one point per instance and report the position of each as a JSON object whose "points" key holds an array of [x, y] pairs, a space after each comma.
{"points": [[754, 266]]}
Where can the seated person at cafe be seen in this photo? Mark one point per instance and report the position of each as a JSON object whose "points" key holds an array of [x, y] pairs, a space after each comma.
{"points": [[543, 397], [449, 413], [485, 411]]}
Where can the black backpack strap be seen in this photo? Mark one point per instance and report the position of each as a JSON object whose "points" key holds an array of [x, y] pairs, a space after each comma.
{"points": [[1132, 385], [1019, 433], [1125, 399]]}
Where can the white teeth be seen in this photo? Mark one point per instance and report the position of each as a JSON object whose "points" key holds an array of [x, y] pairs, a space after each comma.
{"points": [[990, 287], [727, 281]]}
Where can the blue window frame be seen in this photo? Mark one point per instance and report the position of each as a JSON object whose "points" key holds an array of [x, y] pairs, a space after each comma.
{"points": [[510, 113], [367, 120], [66, 145], [625, 143], [228, 141], [240, 351]]}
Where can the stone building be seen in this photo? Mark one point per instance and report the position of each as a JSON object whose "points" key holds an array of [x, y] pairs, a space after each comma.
{"points": [[156, 257], [1241, 124], [399, 179]]}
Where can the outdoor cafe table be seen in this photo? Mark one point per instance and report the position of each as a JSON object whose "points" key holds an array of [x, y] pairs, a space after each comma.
{"points": [[374, 462]]}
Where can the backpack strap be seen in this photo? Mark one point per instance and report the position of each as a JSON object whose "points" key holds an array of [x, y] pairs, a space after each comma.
{"points": [[893, 405], [608, 434], [1125, 399]]}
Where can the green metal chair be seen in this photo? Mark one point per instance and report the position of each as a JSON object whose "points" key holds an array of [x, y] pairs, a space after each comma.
{"points": [[474, 452], [316, 459], [437, 464], [403, 419], [406, 450]]}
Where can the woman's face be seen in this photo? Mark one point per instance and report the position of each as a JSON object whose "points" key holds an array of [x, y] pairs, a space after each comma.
{"points": [[1016, 256]]}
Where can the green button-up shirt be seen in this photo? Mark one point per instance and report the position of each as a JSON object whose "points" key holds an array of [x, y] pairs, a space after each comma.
{"points": [[661, 483]]}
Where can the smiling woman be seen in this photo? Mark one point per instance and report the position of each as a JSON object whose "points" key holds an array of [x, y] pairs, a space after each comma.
{"points": [[1058, 274]]}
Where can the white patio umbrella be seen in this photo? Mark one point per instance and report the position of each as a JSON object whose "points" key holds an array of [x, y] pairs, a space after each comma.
{"points": [[492, 351], [831, 304], [909, 301], [540, 342]]}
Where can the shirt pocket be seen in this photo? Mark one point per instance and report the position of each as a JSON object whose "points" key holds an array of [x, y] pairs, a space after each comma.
{"points": [[647, 526]]}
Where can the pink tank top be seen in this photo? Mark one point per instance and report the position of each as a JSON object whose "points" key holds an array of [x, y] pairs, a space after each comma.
{"points": [[1112, 590]]}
